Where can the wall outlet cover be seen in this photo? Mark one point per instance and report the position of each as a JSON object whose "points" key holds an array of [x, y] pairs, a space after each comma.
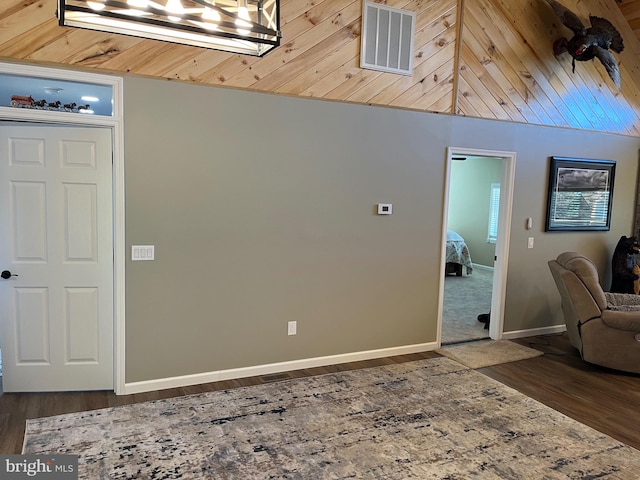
{"points": [[385, 209], [292, 328]]}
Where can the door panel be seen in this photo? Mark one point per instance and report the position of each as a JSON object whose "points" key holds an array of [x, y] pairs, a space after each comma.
{"points": [[29, 224], [31, 320], [81, 236], [56, 323], [81, 325]]}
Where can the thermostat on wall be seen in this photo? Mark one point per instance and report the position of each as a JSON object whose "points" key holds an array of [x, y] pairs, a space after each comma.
{"points": [[385, 209]]}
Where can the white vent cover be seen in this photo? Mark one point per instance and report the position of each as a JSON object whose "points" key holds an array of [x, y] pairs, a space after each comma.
{"points": [[387, 38]]}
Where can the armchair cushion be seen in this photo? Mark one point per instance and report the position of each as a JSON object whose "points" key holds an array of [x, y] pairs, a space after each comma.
{"points": [[626, 302]]}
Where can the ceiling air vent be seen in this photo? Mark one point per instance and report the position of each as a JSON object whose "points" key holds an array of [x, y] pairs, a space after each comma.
{"points": [[387, 38]]}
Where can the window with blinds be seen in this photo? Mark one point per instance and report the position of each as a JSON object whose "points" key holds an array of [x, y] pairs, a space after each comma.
{"points": [[494, 212]]}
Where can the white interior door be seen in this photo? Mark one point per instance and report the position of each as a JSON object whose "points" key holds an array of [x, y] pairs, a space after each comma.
{"points": [[56, 238]]}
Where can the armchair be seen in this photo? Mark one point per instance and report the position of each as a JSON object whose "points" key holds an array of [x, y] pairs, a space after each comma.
{"points": [[603, 326]]}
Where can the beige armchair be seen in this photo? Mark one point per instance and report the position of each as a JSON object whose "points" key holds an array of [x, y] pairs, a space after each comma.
{"points": [[604, 327]]}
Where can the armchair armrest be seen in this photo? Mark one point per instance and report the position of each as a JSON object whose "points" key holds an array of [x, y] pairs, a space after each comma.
{"points": [[620, 320]]}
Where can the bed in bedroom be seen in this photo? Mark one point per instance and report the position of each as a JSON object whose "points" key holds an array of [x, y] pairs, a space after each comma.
{"points": [[458, 255]]}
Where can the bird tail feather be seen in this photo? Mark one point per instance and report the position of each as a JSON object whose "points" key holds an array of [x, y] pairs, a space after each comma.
{"points": [[603, 25]]}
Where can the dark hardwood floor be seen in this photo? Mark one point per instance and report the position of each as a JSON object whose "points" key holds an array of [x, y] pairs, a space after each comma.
{"points": [[604, 399]]}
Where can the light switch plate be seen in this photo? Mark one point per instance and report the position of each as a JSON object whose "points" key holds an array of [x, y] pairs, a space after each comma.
{"points": [[142, 252]]}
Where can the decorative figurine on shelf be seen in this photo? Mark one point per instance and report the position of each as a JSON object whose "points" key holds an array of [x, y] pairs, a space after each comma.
{"points": [[624, 269], [589, 43], [22, 101], [26, 101]]}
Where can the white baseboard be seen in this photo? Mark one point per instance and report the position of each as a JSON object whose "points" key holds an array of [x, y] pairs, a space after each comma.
{"points": [[482, 267], [206, 377], [534, 331]]}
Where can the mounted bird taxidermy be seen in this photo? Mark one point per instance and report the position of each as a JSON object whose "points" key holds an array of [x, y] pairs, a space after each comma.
{"points": [[589, 43]]}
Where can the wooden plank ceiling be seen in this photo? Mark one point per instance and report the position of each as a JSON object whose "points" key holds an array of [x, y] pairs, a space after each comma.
{"points": [[631, 11], [482, 58]]}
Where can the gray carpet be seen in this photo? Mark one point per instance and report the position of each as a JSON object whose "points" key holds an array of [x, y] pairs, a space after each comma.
{"points": [[465, 298], [431, 419]]}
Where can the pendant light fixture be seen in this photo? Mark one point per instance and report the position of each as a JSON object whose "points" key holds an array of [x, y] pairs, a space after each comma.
{"points": [[250, 27]]}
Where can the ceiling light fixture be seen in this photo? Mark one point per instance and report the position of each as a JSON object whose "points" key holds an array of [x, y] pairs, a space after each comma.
{"points": [[248, 27], [243, 21], [95, 5], [175, 7], [211, 14], [52, 90]]}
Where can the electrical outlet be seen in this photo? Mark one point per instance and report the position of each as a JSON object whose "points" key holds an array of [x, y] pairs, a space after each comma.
{"points": [[530, 242], [292, 328]]}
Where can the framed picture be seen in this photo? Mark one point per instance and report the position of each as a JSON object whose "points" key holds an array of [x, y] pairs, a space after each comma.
{"points": [[580, 194]]}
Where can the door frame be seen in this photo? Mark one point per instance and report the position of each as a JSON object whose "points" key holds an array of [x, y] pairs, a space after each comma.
{"points": [[116, 124], [496, 326]]}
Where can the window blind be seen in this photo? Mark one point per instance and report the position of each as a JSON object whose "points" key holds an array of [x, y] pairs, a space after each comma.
{"points": [[494, 212]]}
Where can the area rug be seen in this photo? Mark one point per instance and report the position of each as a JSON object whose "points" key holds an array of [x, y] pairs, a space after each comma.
{"points": [[430, 419], [485, 353]]}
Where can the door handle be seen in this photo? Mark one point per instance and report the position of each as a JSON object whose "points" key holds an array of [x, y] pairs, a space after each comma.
{"points": [[7, 274]]}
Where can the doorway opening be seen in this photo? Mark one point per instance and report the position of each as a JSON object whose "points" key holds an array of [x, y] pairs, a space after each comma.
{"points": [[32, 78], [476, 224]]}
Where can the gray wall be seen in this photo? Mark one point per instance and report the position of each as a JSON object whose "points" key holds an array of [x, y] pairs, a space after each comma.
{"points": [[469, 194], [261, 208]]}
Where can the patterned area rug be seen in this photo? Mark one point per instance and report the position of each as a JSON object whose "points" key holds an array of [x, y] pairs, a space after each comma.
{"points": [[488, 352], [430, 419]]}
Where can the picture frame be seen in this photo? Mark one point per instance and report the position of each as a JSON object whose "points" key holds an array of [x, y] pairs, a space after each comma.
{"points": [[580, 194]]}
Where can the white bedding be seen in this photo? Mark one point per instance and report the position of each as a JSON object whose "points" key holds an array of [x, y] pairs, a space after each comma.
{"points": [[457, 251]]}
